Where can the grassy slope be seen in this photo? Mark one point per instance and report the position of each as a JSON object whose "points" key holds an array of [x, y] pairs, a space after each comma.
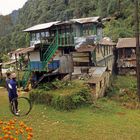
{"points": [[109, 122]]}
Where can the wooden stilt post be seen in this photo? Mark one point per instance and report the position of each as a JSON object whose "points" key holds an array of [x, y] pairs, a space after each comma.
{"points": [[137, 46]]}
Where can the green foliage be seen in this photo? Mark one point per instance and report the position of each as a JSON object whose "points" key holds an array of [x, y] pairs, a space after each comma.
{"points": [[105, 120], [56, 84], [65, 101], [118, 29], [5, 58], [62, 84], [46, 86], [40, 11], [124, 90], [2, 82]]}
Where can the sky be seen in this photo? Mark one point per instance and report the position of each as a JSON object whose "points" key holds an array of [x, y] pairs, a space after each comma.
{"points": [[7, 6]]}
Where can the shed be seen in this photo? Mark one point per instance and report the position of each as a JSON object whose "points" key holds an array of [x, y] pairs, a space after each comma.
{"points": [[99, 81], [126, 62]]}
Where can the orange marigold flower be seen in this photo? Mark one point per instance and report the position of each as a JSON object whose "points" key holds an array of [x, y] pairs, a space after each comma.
{"points": [[12, 127], [27, 129], [30, 134], [11, 122], [21, 131], [1, 122], [24, 126], [7, 127], [9, 133], [15, 119], [6, 136], [30, 129], [28, 138], [11, 138], [16, 132]]}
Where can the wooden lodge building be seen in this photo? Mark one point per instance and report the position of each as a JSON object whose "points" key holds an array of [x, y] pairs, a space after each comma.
{"points": [[126, 62], [61, 47], [54, 43]]}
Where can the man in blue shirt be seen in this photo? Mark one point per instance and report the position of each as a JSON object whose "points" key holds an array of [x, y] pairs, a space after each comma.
{"points": [[13, 92]]}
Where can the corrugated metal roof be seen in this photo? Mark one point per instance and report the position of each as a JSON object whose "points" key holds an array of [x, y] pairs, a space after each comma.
{"points": [[64, 23], [22, 50], [41, 26], [126, 43], [97, 73], [9, 63], [26, 50], [48, 25], [94, 80], [99, 70], [80, 20], [16, 51], [107, 41], [86, 20]]}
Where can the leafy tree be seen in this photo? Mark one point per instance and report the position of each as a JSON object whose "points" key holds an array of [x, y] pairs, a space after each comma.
{"points": [[40, 11]]}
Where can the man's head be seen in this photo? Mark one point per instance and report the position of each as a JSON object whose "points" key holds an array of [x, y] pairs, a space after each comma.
{"points": [[13, 75], [8, 74]]}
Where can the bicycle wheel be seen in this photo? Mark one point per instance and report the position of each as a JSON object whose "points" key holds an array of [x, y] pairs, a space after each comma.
{"points": [[20, 106]]}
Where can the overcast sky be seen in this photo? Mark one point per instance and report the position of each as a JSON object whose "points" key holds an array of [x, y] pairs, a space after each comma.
{"points": [[7, 6]]}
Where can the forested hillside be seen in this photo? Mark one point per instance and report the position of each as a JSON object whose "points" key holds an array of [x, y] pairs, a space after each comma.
{"points": [[40, 11]]}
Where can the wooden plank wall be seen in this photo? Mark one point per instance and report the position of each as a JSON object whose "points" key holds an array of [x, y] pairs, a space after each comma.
{"points": [[80, 57], [66, 64]]}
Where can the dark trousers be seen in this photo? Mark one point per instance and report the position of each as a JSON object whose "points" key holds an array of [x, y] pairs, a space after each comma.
{"points": [[14, 104]]}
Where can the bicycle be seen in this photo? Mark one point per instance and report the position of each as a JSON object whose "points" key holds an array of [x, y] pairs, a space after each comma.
{"points": [[24, 106]]}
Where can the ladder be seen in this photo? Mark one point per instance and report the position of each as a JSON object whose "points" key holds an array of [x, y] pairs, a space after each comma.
{"points": [[47, 56]]}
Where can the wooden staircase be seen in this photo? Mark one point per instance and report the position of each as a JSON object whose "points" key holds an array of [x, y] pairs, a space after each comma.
{"points": [[48, 57], [40, 79]]}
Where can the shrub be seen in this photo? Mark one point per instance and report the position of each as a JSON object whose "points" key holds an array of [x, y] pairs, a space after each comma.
{"points": [[2, 82], [65, 101], [40, 97], [62, 84], [47, 86]]}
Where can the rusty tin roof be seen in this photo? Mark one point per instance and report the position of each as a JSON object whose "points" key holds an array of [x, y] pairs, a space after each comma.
{"points": [[126, 43]]}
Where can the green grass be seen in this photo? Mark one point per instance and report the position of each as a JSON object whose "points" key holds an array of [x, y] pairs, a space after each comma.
{"points": [[125, 81], [68, 89], [106, 120]]}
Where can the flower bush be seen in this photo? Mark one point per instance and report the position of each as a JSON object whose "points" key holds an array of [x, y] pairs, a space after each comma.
{"points": [[15, 130]]}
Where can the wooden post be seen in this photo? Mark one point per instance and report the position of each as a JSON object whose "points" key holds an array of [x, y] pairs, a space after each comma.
{"points": [[17, 70], [137, 46]]}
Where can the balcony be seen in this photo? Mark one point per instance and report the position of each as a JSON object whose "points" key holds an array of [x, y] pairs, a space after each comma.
{"points": [[43, 66]]}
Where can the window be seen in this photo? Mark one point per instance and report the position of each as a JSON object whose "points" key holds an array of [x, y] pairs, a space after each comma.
{"points": [[128, 53], [37, 36], [33, 37], [42, 34], [107, 50], [47, 34]]}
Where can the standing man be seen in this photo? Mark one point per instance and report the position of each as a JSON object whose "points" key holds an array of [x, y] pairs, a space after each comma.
{"points": [[13, 92]]}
